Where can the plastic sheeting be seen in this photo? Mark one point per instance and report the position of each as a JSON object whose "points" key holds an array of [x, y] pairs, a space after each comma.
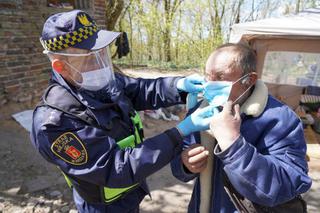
{"points": [[24, 118], [306, 23]]}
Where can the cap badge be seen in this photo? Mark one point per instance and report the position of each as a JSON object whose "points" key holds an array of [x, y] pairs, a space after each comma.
{"points": [[84, 20]]}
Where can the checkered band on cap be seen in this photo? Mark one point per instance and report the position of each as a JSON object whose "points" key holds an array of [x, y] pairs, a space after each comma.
{"points": [[70, 39]]}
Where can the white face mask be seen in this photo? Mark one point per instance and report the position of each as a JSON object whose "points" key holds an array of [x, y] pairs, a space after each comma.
{"points": [[217, 92], [95, 80]]}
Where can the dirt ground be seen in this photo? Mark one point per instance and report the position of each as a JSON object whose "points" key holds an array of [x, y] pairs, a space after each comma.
{"points": [[30, 184]]}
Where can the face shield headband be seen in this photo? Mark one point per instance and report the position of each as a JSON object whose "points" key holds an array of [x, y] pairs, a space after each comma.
{"points": [[89, 71]]}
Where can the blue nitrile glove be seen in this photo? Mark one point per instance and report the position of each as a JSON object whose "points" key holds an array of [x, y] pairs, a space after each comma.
{"points": [[217, 92], [199, 120], [192, 100], [192, 83]]}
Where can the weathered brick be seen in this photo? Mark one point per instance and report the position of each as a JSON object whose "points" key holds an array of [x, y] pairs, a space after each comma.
{"points": [[18, 69], [25, 98], [16, 76], [6, 33], [15, 63], [7, 5], [13, 51], [10, 25], [47, 70], [38, 66], [5, 71], [22, 57], [33, 72], [3, 78], [43, 83], [12, 89], [37, 60], [26, 79], [3, 101], [2, 64]]}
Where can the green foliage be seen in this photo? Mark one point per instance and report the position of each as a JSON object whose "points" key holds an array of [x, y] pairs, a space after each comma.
{"points": [[176, 34], [155, 64]]}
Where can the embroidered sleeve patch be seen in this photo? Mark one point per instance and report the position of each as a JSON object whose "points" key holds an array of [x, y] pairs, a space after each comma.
{"points": [[69, 148]]}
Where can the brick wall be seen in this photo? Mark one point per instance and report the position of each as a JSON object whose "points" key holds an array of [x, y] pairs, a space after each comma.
{"points": [[24, 70], [99, 12]]}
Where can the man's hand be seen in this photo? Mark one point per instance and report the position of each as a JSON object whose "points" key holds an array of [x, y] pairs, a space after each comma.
{"points": [[225, 126], [195, 158], [192, 83]]}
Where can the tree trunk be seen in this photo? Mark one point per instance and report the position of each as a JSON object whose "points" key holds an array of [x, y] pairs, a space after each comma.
{"points": [[131, 36], [167, 43], [167, 31], [150, 34], [169, 9], [298, 6], [216, 21], [178, 36], [113, 12], [159, 44]]}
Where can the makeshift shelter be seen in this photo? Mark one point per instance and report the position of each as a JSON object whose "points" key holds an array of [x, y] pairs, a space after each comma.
{"points": [[288, 52]]}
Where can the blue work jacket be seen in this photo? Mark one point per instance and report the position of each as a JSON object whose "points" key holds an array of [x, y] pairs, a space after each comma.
{"points": [[88, 153], [266, 164]]}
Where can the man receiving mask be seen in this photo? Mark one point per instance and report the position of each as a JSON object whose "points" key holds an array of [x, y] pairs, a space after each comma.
{"points": [[87, 123], [259, 148]]}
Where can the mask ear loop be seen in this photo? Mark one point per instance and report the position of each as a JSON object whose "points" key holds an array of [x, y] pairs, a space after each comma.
{"points": [[243, 78]]}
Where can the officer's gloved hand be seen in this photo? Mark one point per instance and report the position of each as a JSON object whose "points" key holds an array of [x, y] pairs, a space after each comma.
{"points": [[191, 84], [199, 120], [192, 100]]}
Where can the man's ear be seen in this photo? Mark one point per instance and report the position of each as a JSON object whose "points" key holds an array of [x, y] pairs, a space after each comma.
{"points": [[253, 77], [57, 65], [250, 79]]}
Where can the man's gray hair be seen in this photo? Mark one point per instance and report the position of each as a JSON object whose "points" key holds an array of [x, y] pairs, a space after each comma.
{"points": [[245, 57]]}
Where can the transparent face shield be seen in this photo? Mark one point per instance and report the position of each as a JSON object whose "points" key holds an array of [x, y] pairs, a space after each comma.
{"points": [[89, 71]]}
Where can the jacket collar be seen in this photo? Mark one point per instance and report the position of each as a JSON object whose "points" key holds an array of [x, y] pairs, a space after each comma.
{"points": [[257, 101]]}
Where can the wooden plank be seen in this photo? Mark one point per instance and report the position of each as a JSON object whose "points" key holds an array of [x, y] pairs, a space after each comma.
{"points": [[313, 151], [313, 156], [310, 135]]}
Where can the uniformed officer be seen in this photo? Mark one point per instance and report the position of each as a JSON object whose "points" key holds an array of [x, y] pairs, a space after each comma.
{"points": [[86, 123]]}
